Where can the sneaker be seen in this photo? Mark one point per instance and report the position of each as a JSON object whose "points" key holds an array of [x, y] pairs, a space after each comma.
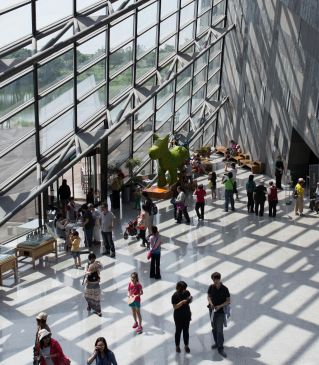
{"points": [[135, 325], [112, 254], [187, 349], [178, 349], [139, 329], [214, 347]]}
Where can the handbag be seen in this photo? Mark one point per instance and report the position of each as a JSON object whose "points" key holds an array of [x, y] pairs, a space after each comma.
{"points": [[149, 255], [130, 299]]}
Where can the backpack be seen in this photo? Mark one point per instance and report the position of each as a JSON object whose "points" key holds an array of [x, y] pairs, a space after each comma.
{"points": [[154, 209]]}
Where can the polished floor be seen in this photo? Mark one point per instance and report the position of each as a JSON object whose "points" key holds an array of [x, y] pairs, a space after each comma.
{"points": [[270, 266]]}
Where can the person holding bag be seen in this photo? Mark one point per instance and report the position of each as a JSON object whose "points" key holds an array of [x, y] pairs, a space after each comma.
{"points": [[181, 206], [155, 253], [134, 292]]}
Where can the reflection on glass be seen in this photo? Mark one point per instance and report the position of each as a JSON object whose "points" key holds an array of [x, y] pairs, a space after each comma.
{"points": [[56, 101], [165, 129], [81, 4], [167, 27], [186, 36], [142, 131], [121, 82], [11, 163], [90, 50], [56, 131], [55, 70], [167, 7], [91, 105], [167, 71], [218, 11], [90, 78], [198, 98], [145, 111], [9, 30], [146, 64], [165, 93], [203, 23], [214, 65], [198, 119], [120, 135], [122, 151], [184, 77], [209, 133], [50, 11], [183, 94], [164, 112], [199, 79], [16, 127], [167, 49], [142, 152], [195, 144], [121, 32], [215, 50], [121, 58], [181, 115], [149, 83], [16, 93], [145, 42], [187, 14], [146, 17], [118, 108], [213, 83], [204, 5], [200, 62]]}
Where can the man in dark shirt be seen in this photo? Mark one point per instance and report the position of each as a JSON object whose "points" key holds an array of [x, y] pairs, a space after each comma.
{"points": [[88, 225], [218, 297]]}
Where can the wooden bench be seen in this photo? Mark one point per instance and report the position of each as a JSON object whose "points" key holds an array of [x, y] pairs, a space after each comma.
{"points": [[37, 250], [256, 167], [157, 193], [221, 150], [8, 263], [239, 157]]}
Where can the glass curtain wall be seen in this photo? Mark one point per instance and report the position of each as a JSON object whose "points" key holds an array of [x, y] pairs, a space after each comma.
{"points": [[73, 65]]}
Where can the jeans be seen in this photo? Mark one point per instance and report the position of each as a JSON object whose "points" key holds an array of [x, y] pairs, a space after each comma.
{"points": [[200, 206], [108, 242], [142, 234], [229, 197], [261, 205], [88, 232], [250, 203], [115, 199], [155, 271], [181, 326], [278, 180], [272, 208], [218, 327]]}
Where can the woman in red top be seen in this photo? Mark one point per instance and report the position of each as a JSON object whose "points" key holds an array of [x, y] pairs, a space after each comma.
{"points": [[49, 350], [134, 293], [200, 201]]}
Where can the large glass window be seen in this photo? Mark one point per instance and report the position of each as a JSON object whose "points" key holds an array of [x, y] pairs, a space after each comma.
{"points": [[183, 94], [167, 49], [204, 5], [181, 115], [165, 111], [121, 32], [90, 50], [187, 14], [198, 98], [168, 27], [146, 17], [145, 42], [164, 94], [55, 70], [16, 93], [49, 11], [121, 82], [142, 131], [142, 152], [91, 104], [121, 58], [90, 78], [186, 36], [9, 30], [165, 128], [167, 7], [146, 64]]}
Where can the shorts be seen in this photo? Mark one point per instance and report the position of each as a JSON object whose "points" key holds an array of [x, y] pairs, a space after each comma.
{"points": [[75, 254], [135, 305]]}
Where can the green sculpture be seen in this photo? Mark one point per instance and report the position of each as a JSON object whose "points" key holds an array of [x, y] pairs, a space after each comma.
{"points": [[168, 159]]}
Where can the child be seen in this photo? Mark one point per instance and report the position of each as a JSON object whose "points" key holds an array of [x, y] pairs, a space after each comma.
{"points": [[212, 177], [75, 248], [134, 293], [141, 226]]}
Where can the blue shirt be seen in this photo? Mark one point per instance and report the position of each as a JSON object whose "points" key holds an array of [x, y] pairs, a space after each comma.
{"points": [[108, 360]]}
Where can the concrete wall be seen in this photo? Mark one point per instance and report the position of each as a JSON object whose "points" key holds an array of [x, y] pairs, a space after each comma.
{"points": [[271, 73]]}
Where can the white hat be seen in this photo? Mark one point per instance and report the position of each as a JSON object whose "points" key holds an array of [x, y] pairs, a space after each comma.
{"points": [[301, 179], [42, 316], [43, 333]]}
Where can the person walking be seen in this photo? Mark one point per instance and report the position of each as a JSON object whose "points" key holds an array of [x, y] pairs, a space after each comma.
{"points": [[101, 354], [218, 298], [299, 195], [182, 314], [212, 177], [64, 194], [250, 189], [134, 292], [75, 248], [155, 251], [107, 225], [233, 170], [92, 292], [41, 319], [49, 350], [229, 191], [181, 206], [272, 199], [260, 198], [148, 208], [142, 218], [200, 194], [279, 170]]}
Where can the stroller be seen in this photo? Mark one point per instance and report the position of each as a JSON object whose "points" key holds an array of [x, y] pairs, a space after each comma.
{"points": [[131, 229]]}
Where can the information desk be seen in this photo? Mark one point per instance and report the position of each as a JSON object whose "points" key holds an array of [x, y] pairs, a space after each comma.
{"points": [[37, 248]]}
